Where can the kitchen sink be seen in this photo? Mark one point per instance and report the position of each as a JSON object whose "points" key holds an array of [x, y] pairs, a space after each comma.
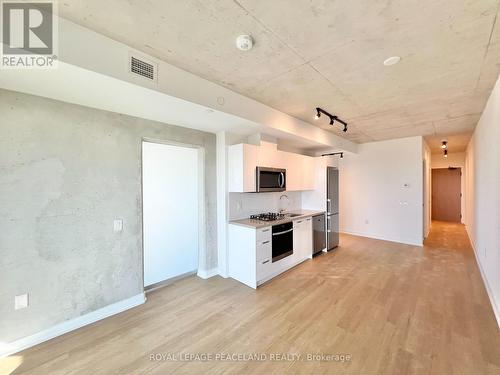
{"points": [[293, 215]]}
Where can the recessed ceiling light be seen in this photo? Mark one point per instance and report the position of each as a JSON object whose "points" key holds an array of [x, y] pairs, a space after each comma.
{"points": [[393, 60]]}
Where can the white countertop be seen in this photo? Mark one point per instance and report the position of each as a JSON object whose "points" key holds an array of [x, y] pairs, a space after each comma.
{"points": [[254, 223]]}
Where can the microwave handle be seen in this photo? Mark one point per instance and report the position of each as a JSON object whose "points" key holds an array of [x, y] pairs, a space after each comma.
{"points": [[281, 179]]}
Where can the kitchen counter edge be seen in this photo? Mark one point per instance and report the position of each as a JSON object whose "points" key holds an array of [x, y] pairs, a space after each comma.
{"points": [[255, 224]]}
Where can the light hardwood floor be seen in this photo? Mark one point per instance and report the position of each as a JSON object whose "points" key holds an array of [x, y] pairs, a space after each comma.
{"points": [[396, 309]]}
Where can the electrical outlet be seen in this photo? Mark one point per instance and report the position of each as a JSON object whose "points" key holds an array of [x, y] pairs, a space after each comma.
{"points": [[118, 225], [21, 301]]}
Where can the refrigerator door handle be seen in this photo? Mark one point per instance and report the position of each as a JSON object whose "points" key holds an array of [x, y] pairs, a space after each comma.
{"points": [[328, 206]]}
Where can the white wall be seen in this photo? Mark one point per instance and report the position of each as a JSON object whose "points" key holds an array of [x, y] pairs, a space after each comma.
{"points": [[455, 159], [170, 203], [483, 198], [374, 201]]}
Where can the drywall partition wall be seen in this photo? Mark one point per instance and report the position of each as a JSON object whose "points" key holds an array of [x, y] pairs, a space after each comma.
{"points": [[170, 189], [67, 172], [483, 226], [454, 159], [381, 191]]}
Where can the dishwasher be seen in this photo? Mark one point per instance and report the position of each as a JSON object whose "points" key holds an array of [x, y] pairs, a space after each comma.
{"points": [[319, 234]]}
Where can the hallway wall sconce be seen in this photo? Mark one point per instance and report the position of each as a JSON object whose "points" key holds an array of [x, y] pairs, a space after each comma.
{"points": [[332, 118]]}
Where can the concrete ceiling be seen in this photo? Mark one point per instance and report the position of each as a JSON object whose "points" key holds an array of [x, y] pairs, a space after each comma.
{"points": [[327, 54]]}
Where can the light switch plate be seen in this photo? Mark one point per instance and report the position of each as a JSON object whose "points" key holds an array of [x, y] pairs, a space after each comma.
{"points": [[21, 301], [118, 225]]}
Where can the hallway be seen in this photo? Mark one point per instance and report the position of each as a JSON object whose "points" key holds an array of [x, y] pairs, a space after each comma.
{"points": [[448, 235]]}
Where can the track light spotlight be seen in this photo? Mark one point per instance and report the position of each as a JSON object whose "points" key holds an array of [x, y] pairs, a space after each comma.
{"points": [[445, 153], [332, 118], [341, 155], [444, 145]]}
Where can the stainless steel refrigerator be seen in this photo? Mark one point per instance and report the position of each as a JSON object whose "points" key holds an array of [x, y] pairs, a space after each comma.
{"points": [[332, 208]]}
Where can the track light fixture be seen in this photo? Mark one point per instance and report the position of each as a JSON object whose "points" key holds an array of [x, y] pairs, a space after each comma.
{"points": [[332, 118], [445, 153], [335, 153], [444, 145]]}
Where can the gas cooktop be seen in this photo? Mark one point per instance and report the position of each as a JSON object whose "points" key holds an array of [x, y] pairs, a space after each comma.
{"points": [[269, 216]]}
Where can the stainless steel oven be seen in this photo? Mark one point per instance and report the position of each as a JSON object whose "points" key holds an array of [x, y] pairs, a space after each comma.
{"points": [[282, 241], [270, 179]]}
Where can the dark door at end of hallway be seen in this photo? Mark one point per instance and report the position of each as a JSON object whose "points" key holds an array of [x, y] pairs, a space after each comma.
{"points": [[446, 194]]}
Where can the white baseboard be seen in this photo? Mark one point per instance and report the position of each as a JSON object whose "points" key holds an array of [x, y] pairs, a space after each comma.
{"points": [[206, 274], [70, 325], [405, 241], [494, 305]]}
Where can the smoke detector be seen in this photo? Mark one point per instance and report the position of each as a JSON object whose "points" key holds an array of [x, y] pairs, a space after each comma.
{"points": [[244, 42]]}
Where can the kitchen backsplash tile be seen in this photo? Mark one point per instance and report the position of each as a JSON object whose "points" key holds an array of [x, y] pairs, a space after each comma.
{"points": [[242, 205]]}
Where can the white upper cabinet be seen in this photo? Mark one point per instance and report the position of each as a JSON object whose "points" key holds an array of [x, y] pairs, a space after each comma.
{"points": [[245, 158], [242, 161]]}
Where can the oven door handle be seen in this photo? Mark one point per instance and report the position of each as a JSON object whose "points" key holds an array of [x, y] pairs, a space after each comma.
{"points": [[285, 231]]}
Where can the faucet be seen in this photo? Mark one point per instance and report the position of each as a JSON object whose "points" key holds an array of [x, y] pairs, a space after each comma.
{"points": [[282, 210]]}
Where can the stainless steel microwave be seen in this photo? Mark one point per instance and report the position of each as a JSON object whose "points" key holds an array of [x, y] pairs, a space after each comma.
{"points": [[270, 179]]}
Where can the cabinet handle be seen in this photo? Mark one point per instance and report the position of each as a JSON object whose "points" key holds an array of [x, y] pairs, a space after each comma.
{"points": [[298, 222], [263, 243], [265, 230], [266, 261]]}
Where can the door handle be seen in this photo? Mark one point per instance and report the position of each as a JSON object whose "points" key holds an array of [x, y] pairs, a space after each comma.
{"points": [[285, 231], [281, 180]]}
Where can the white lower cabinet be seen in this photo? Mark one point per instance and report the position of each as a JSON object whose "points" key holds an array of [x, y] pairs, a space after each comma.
{"points": [[250, 252], [264, 254], [302, 237]]}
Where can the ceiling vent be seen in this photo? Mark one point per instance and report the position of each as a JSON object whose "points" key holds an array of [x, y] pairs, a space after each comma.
{"points": [[143, 68]]}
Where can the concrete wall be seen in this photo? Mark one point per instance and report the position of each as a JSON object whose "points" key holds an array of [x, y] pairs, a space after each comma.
{"points": [[483, 196], [381, 191], [66, 172], [454, 159]]}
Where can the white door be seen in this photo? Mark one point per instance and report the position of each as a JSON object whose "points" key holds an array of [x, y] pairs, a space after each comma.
{"points": [[170, 211]]}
